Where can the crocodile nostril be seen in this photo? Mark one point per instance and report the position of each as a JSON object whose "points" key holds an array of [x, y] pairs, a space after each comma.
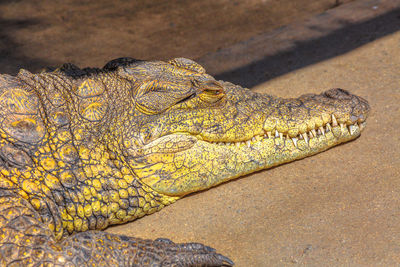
{"points": [[338, 93]]}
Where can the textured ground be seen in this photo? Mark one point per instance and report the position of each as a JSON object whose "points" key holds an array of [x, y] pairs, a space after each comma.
{"points": [[34, 33], [341, 207]]}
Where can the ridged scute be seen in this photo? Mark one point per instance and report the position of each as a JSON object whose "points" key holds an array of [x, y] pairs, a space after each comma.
{"points": [[187, 64], [19, 112]]}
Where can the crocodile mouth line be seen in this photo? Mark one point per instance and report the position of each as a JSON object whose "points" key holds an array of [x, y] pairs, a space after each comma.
{"points": [[352, 129]]}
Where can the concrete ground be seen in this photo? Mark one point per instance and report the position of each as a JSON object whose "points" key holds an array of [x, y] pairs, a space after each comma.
{"points": [[340, 207]]}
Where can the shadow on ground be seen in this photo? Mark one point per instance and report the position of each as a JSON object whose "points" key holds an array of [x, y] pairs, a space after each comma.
{"points": [[12, 58], [14, 54], [341, 41]]}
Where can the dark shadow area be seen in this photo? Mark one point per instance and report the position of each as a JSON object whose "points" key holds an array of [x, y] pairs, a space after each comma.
{"points": [[12, 58], [312, 51], [4, 2]]}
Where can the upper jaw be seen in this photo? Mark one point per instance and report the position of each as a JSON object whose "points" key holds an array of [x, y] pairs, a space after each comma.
{"points": [[351, 130], [303, 118]]}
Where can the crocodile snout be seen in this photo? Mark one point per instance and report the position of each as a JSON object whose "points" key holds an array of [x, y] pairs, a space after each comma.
{"points": [[338, 93]]}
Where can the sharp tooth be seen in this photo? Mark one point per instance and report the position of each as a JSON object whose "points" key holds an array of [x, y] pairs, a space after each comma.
{"points": [[334, 121], [352, 129], [276, 133], [265, 135], [228, 143], [342, 128], [294, 141], [305, 137], [355, 126], [314, 132], [362, 125], [269, 134], [253, 139], [281, 136], [301, 136], [328, 127], [237, 144], [321, 129], [248, 143], [310, 135]]}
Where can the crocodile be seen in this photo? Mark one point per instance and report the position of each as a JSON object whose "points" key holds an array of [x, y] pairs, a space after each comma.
{"points": [[82, 149]]}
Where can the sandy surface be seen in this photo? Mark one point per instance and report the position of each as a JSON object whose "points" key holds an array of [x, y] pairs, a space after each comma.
{"points": [[341, 207]]}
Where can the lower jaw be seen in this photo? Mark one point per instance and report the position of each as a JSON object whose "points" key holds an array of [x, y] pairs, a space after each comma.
{"points": [[205, 164], [274, 151]]}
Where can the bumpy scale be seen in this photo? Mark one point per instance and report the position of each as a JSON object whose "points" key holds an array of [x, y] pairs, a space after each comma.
{"points": [[82, 149]]}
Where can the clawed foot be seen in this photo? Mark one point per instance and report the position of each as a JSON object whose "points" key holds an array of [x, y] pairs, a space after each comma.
{"points": [[190, 254]]}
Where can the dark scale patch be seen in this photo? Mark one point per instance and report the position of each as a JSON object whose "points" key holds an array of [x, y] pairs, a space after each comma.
{"points": [[12, 156], [120, 62], [25, 129]]}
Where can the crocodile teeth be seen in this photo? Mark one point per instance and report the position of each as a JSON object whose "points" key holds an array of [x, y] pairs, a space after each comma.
{"points": [[321, 129], [334, 121], [314, 132], [328, 127], [305, 137], [342, 128], [361, 125], [353, 128], [294, 141]]}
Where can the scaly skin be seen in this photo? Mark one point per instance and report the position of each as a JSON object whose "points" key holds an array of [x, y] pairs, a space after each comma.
{"points": [[83, 149]]}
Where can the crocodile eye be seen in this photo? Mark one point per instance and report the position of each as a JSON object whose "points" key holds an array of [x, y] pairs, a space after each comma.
{"points": [[211, 91], [155, 97]]}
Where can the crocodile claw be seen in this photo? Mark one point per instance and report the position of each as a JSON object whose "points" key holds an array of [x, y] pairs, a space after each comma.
{"points": [[192, 254]]}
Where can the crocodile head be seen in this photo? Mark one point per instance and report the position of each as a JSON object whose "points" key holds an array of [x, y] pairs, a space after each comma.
{"points": [[192, 132]]}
